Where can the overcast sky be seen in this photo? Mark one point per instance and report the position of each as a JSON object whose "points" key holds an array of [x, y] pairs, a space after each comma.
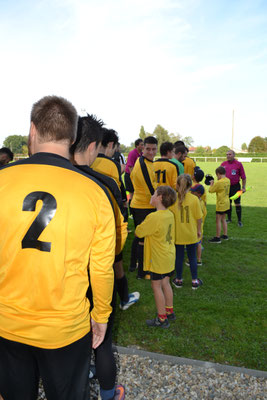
{"points": [[183, 64]]}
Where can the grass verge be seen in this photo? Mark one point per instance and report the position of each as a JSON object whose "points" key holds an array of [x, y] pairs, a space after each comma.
{"points": [[225, 320]]}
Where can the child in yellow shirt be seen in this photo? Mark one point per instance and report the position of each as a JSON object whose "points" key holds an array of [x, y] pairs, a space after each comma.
{"points": [[188, 220], [159, 253], [221, 188]]}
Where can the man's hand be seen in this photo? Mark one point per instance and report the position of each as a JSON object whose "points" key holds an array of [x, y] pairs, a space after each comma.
{"points": [[212, 183], [98, 333], [244, 181], [199, 233]]}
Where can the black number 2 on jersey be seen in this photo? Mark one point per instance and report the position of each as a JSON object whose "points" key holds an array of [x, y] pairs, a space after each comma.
{"points": [[45, 215]]}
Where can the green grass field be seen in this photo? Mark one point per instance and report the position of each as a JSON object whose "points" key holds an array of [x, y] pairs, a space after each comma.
{"points": [[225, 320]]}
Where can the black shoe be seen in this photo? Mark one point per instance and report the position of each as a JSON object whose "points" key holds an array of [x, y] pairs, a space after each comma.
{"points": [[178, 283], [199, 263], [239, 224], [215, 240], [171, 317], [157, 323], [195, 285], [224, 237], [228, 221]]}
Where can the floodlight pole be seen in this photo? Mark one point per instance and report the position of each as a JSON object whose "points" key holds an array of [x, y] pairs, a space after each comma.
{"points": [[233, 122]]}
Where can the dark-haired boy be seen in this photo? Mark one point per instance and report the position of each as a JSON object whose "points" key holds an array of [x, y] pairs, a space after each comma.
{"points": [[103, 162], [6, 156], [189, 164], [221, 188], [85, 151], [106, 166], [144, 182], [166, 170], [158, 231]]}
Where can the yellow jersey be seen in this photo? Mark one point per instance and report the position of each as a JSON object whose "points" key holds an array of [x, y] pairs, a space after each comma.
{"points": [[189, 166], [107, 166], [221, 188], [54, 219], [159, 249], [166, 172], [115, 195], [204, 214], [186, 218], [142, 195]]}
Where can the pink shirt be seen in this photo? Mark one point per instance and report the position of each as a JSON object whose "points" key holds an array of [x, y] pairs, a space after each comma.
{"points": [[234, 171], [132, 157]]}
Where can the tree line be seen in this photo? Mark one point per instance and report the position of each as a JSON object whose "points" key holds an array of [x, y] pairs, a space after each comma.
{"points": [[162, 135], [18, 143]]}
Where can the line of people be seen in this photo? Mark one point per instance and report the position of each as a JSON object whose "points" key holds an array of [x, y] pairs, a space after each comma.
{"points": [[61, 244], [161, 186], [64, 218]]}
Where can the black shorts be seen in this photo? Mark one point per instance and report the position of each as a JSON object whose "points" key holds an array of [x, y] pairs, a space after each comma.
{"points": [[64, 371], [158, 277], [139, 214], [233, 189], [128, 183], [221, 212]]}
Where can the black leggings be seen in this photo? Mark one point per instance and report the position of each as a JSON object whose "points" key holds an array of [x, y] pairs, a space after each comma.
{"points": [[233, 189], [104, 358]]}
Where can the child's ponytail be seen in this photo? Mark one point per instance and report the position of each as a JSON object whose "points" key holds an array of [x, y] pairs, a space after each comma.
{"points": [[184, 183]]}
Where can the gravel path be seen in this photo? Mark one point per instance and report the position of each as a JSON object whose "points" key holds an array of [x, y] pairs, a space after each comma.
{"points": [[145, 378]]}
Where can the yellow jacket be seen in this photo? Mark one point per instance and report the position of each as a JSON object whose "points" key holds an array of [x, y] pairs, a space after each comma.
{"points": [[141, 197], [158, 231], [54, 219], [186, 218], [221, 188]]}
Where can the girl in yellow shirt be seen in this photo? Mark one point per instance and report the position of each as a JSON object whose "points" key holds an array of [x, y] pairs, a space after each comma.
{"points": [[188, 220], [159, 260]]}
